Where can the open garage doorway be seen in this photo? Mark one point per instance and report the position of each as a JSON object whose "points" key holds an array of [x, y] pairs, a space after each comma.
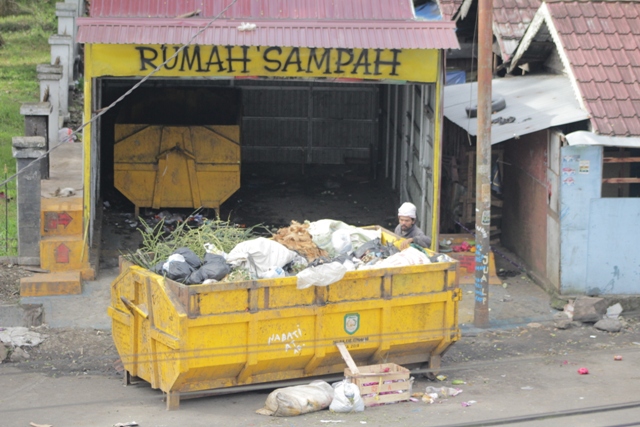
{"points": [[309, 150]]}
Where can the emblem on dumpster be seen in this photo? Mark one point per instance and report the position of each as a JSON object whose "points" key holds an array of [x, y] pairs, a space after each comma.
{"points": [[351, 323]]}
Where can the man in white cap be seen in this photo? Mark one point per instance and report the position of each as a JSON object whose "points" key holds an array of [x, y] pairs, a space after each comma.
{"points": [[407, 227]]}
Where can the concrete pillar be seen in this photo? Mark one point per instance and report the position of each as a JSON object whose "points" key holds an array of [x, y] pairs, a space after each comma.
{"points": [[66, 13], [49, 76], [61, 54], [79, 6], [25, 150], [36, 123]]}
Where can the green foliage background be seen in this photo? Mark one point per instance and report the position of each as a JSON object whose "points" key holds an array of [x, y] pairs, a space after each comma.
{"points": [[25, 28]]}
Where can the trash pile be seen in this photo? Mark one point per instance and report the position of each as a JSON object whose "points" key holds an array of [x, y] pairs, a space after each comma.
{"points": [[340, 397], [14, 340], [592, 310], [317, 253], [446, 245]]}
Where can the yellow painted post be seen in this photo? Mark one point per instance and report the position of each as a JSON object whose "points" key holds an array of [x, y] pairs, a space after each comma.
{"points": [[437, 156], [86, 134]]}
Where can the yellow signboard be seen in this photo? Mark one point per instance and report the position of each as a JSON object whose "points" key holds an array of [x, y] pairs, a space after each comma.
{"points": [[414, 65]]}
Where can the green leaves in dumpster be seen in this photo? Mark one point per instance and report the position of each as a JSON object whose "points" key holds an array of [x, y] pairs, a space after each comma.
{"points": [[158, 246]]}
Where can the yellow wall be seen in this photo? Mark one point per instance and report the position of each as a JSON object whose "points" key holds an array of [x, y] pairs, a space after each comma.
{"points": [[386, 65], [250, 61]]}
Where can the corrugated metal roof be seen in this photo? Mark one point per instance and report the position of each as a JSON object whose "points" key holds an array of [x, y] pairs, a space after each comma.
{"points": [[290, 33], [601, 40], [582, 137], [257, 9], [536, 102]]}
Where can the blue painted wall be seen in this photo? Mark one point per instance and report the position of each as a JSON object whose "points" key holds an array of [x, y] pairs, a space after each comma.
{"points": [[599, 237], [578, 187], [613, 262]]}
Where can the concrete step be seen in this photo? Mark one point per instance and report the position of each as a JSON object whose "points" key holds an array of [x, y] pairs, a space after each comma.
{"points": [[47, 284], [86, 310], [14, 315], [61, 216], [65, 253]]}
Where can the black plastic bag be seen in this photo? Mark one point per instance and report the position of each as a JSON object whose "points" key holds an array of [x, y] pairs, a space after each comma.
{"points": [[177, 270], [215, 267], [376, 247], [190, 257]]}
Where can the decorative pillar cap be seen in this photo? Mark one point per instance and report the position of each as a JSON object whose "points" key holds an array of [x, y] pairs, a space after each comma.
{"points": [[57, 39], [28, 147], [49, 71], [36, 109], [66, 9]]}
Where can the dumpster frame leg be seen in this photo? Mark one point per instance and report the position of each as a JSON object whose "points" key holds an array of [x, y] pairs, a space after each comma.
{"points": [[173, 400], [129, 379], [434, 361]]}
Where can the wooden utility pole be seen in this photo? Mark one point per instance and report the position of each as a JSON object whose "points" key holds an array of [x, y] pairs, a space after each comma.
{"points": [[483, 164]]}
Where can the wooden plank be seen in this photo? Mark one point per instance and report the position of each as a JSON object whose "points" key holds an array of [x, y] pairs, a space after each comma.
{"points": [[347, 358], [621, 181], [385, 398], [621, 160]]}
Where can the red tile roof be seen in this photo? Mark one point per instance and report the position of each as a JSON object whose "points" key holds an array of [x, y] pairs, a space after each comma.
{"points": [[449, 8], [510, 20], [601, 40], [385, 24]]}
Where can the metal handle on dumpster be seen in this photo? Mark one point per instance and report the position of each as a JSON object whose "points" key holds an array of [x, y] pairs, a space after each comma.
{"points": [[133, 308]]}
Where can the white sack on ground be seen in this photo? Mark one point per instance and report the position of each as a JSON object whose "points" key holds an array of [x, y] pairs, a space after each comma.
{"points": [[298, 400], [321, 275], [259, 255], [347, 398]]}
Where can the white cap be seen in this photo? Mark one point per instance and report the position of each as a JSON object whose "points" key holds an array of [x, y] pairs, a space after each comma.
{"points": [[407, 209]]}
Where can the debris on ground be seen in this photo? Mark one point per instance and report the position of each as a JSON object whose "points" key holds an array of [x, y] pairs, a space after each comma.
{"points": [[608, 325], [20, 337], [589, 309], [614, 311]]}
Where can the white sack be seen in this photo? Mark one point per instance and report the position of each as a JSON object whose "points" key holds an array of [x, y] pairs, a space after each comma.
{"points": [[347, 398], [297, 400], [321, 275], [409, 256], [259, 255], [322, 234]]}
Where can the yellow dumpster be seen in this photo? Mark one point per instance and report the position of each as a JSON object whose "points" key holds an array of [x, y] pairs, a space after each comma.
{"points": [[177, 166], [194, 338]]}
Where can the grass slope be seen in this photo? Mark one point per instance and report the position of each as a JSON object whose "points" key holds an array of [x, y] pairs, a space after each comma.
{"points": [[25, 28]]}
